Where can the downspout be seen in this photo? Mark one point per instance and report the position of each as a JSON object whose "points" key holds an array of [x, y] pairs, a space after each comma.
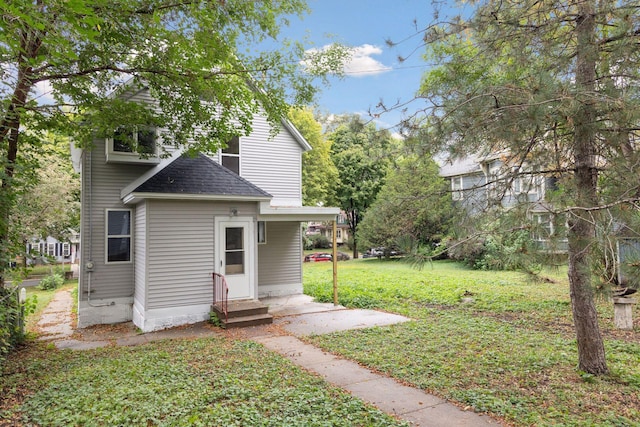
{"points": [[89, 265]]}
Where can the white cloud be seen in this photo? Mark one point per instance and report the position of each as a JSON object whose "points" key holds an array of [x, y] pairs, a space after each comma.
{"points": [[361, 63], [43, 93], [358, 63]]}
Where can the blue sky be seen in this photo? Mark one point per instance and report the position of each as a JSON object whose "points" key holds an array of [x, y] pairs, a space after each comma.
{"points": [[375, 73]]}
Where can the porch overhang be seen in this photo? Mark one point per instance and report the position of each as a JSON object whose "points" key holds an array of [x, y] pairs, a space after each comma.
{"points": [[296, 213]]}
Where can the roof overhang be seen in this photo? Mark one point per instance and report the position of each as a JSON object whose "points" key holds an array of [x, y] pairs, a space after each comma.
{"points": [[133, 198], [296, 213]]}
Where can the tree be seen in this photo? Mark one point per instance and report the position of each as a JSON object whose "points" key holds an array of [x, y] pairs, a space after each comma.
{"points": [[414, 202], [554, 85], [50, 206], [62, 61], [360, 152], [319, 174]]}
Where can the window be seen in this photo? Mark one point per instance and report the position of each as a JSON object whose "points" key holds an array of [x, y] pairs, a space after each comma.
{"points": [[118, 236], [66, 249], [262, 232], [456, 188], [138, 146], [142, 141], [339, 234], [231, 155], [234, 250], [51, 249]]}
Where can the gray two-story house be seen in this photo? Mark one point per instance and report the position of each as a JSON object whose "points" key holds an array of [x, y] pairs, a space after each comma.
{"points": [[480, 183], [154, 229]]}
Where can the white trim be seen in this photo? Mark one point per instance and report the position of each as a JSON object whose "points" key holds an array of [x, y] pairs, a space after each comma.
{"points": [[251, 253], [297, 213], [296, 134], [133, 198], [113, 156], [107, 236]]}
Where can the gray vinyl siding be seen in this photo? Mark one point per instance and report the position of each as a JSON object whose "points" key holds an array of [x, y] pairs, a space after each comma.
{"points": [[272, 164], [101, 185], [181, 250], [280, 260], [140, 253]]}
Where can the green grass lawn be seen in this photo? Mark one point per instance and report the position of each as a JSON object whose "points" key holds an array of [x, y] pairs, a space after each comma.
{"points": [[496, 342], [202, 382]]}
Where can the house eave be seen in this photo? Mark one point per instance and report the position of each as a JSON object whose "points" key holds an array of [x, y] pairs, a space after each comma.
{"points": [[297, 213], [134, 198]]}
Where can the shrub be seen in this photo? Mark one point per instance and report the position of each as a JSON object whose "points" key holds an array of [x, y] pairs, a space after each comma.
{"points": [[51, 281], [320, 242], [12, 319]]}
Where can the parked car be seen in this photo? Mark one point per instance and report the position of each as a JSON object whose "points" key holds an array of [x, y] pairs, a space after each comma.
{"points": [[318, 257]]}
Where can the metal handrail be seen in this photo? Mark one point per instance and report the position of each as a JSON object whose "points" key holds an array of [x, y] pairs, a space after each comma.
{"points": [[221, 294]]}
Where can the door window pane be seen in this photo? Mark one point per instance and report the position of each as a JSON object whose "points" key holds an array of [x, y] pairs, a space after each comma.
{"points": [[234, 238], [234, 250]]}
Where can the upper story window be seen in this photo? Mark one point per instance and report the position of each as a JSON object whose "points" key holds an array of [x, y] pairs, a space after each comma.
{"points": [[231, 155], [139, 146]]}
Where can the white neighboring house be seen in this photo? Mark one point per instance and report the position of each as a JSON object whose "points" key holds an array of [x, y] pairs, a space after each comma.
{"points": [[326, 229], [478, 182], [155, 229], [60, 251]]}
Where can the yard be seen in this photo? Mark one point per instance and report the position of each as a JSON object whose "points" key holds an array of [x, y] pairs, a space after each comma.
{"points": [[496, 342]]}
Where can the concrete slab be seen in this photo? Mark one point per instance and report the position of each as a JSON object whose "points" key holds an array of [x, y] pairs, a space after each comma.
{"points": [[295, 350], [334, 321], [80, 345], [297, 304], [448, 415], [341, 372], [391, 396]]}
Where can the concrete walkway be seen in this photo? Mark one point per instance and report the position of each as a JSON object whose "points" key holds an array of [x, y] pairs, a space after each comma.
{"points": [[295, 317]]}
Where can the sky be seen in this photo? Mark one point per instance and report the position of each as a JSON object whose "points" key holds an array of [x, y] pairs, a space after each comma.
{"points": [[375, 73]]}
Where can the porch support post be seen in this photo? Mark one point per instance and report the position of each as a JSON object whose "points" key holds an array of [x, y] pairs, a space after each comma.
{"points": [[335, 264]]}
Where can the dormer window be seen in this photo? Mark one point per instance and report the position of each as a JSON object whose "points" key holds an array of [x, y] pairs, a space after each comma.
{"points": [[127, 146], [231, 155]]}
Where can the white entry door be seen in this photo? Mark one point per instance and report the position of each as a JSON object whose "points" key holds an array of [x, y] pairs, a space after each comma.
{"points": [[234, 256]]}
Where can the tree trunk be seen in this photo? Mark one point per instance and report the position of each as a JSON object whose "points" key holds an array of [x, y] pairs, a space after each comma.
{"points": [[581, 234], [30, 43]]}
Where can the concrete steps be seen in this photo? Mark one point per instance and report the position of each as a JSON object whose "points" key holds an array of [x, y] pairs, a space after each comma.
{"points": [[244, 313]]}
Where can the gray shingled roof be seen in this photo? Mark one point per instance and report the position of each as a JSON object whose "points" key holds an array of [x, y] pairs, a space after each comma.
{"points": [[199, 175]]}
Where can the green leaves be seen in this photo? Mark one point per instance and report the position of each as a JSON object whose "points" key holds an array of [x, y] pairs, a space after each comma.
{"points": [[205, 382], [491, 341]]}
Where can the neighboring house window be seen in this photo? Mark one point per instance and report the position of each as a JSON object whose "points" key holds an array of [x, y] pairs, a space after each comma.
{"points": [[66, 249], [51, 249], [231, 155], [118, 235], [543, 226], [456, 188], [338, 234]]}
